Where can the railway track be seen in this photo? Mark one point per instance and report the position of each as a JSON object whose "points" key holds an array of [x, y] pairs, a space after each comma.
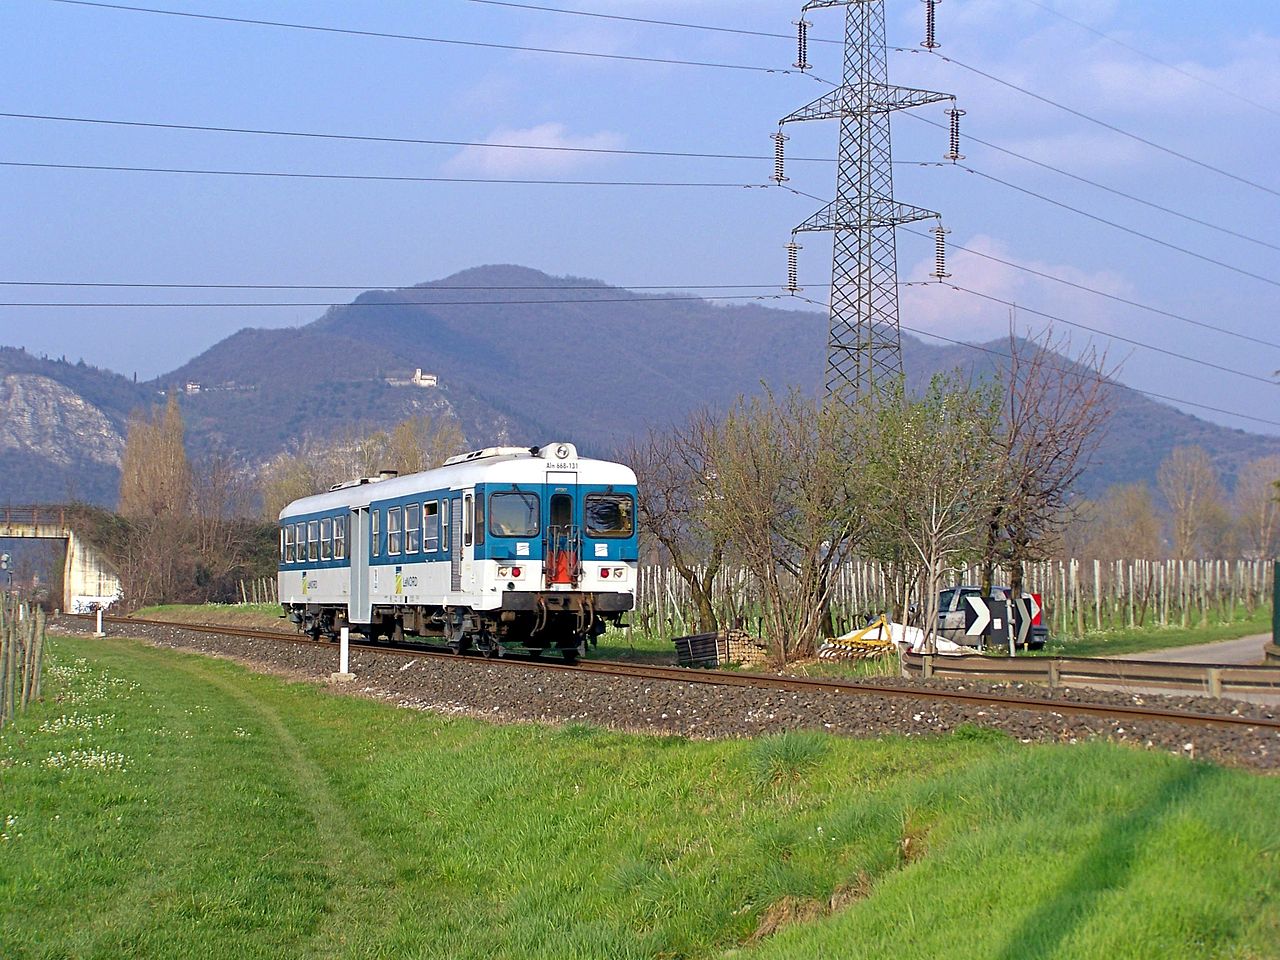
{"points": [[751, 680]]}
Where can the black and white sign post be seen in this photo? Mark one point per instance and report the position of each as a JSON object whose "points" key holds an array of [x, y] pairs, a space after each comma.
{"points": [[989, 618]]}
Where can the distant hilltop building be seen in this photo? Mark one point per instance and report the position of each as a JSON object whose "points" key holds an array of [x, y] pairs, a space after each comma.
{"points": [[419, 379]]}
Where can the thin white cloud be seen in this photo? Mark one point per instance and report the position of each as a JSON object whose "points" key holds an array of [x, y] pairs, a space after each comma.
{"points": [[563, 157]]}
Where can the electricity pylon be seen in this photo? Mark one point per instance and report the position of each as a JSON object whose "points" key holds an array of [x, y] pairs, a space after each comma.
{"points": [[864, 344]]}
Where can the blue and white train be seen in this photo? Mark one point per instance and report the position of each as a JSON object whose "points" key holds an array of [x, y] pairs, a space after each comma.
{"points": [[526, 548]]}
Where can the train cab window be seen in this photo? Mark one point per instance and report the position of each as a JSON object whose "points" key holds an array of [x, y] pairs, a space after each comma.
{"points": [[313, 539], [431, 526], [412, 523], [290, 543], [514, 514], [340, 537], [610, 515], [393, 530], [326, 539], [375, 517]]}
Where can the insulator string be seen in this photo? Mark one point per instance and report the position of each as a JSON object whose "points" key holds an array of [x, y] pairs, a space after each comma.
{"points": [[793, 268], [802, 44], [931, 25], [954, 154], [940, 252], [779, 158]]}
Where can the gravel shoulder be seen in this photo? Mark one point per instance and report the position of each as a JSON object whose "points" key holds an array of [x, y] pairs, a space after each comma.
{"points": [[512, 693]]}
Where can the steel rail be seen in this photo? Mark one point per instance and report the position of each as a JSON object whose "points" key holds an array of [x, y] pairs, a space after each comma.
{"points": [[753, 680]]}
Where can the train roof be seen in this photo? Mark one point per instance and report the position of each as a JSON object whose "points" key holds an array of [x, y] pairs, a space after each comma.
{"points": [[491, 465]]}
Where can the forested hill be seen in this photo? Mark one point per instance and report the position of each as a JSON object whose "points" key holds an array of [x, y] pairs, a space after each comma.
{"points": [[520, 356]]}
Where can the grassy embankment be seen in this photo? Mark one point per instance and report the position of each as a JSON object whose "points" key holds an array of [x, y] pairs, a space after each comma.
{"points": [[165, 805]]}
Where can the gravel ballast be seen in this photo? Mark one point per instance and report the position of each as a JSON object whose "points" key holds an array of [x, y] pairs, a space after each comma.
{"points": [[512, 692]]}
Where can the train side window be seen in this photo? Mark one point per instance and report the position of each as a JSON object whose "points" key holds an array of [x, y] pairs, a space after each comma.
{"points": [[313, 539], [431, 526], [610, 515], [326, 539], [412, 521], [290, 543], [445, 542], [467, 520], [480, 520], [393, 530], [374, 523], [301, 555], [340, 537]]}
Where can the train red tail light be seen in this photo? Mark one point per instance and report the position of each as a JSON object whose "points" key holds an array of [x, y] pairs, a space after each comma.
{"points": [[515, 571], [604, 572]]}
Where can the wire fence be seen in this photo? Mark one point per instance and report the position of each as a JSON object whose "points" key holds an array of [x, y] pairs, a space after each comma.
{"points": [[22, 635], [1078, 597]]}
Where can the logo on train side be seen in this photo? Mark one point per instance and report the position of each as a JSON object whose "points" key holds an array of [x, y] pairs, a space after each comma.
{"points": [[399, 581]]}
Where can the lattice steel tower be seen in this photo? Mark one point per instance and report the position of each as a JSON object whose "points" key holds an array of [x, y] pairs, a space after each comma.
{"points": [[865, 342]]}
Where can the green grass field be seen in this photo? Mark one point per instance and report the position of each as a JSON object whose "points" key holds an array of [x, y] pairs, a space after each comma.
{"points": [[166, 805]]}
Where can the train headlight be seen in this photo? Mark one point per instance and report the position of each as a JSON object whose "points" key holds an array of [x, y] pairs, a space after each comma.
{"points": [[620, 572]]}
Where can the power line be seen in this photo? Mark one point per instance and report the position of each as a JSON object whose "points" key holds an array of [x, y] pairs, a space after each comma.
{"points": [[394, 303], [356, 138], [391, 286], [1119, 226], [1078, 286], [1078, 373], [370, 177], [1115, 336], [648, 20], [1102, 293], [617, 152], [969, 137], [1102, 123], [1147, 55], [316, 28]]}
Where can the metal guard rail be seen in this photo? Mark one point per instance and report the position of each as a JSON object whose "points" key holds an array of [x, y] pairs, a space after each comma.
{"points": [[1215, 679]]}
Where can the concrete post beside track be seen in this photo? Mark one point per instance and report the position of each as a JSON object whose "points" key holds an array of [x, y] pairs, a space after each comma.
{"points": [[344, 659]]}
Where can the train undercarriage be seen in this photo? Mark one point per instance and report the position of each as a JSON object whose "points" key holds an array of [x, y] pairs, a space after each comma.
{"points": [[528, 623]]}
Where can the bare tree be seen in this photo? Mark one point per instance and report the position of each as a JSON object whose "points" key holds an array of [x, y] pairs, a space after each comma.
{"points": [[779, 483], [1051, 422], [1189, 482], [931, 473], [1257, 507], [155, 475], [670, 469], [422, 442], [1123, 524], [418, 443]]}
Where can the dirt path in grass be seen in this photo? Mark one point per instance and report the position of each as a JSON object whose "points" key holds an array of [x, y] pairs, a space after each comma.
{"points": [[359, 884]]}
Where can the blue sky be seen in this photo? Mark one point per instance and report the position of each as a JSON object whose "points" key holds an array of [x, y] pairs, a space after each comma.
{"points": [[80, 61]]}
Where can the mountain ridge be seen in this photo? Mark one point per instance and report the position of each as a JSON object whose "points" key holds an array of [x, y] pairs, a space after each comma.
{"points": [[583, 359]]}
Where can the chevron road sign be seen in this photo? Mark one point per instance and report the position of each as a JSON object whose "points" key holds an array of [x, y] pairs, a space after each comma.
{"points": [[1025, 611], [986, 618], [977, 617]]}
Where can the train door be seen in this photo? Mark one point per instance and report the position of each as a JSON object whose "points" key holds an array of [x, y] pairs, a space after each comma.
{"points": [[455, 545], [564, 537], [468, 541], [358, 550]]}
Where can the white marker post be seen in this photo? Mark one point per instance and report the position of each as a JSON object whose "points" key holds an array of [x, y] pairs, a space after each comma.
{"points": [[344, 661], [99, 632]]}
